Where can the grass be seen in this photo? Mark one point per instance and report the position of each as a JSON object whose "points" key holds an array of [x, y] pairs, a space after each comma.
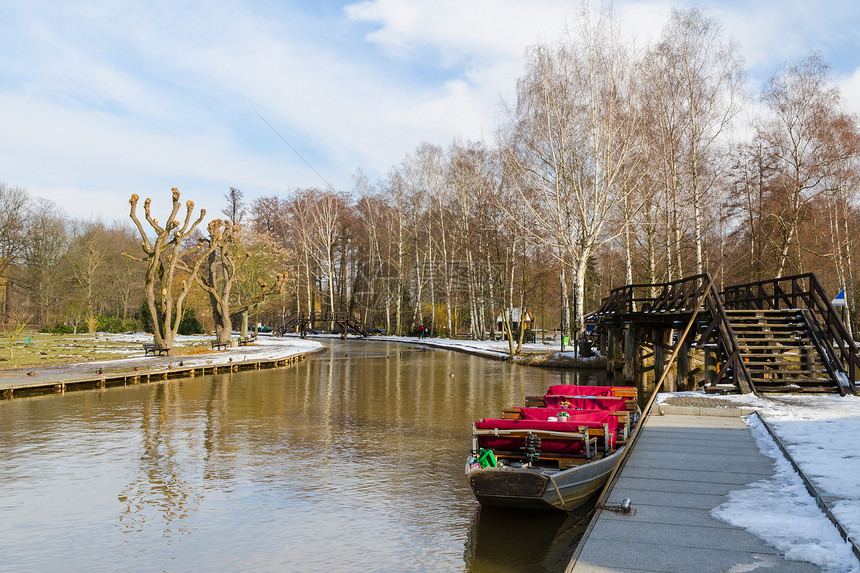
{"points": [[57, 349]]}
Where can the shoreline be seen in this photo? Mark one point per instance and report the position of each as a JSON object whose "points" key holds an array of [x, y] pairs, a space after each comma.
{"points": [[266, 353]]}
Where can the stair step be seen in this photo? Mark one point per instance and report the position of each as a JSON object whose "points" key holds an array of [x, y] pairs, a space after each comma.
{"points": [[783, 339], [785, 366], [805, 390], [802, 381], [781, 326], [766, 312]]}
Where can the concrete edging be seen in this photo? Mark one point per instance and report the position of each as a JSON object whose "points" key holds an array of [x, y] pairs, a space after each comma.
{"points": [[667, 409]]}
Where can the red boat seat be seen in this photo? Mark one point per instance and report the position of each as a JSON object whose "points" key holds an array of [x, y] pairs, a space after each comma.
{"points": [[595, 403], [549, 443], [573, 390]]}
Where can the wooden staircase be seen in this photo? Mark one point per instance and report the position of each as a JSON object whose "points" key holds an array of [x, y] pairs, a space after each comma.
{"points": [[780, 351]]}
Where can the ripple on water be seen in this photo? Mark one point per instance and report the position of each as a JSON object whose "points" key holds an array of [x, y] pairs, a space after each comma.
{"points": [[333, 464]]}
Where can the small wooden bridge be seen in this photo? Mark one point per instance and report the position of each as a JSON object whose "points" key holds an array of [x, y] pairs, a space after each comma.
{"points": [[777, 335], [300, 321]]}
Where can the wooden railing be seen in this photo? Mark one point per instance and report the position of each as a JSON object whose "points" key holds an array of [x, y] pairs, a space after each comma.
{"points": [[680, 297], [343, 319], [802, 292]]}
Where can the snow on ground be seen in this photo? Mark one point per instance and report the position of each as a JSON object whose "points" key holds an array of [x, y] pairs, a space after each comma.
{"points": [[490, 348], [821, 434], [265, 348], [780, 511]]}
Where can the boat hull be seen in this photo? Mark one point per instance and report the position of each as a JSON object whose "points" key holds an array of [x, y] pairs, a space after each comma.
{"points": [[528, 488]]}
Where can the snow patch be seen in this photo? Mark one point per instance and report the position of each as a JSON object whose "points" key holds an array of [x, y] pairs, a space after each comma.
{"points": [[781, 512]]}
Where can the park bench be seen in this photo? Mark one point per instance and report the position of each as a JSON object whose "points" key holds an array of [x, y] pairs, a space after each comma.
{"points": [[245, 341], [155, 349], [219, 345]]}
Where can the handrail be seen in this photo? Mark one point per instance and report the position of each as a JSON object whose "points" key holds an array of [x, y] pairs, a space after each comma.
{"points": [[806, 289], [622, 299], [681, 296], [731, 347], [341, 317]]}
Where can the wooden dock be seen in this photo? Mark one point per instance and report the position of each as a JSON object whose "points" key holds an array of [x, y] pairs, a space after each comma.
{"points": [[682, 467], [60, 380]]}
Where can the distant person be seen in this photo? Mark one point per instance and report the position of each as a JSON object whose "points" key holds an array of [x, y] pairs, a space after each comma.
{"points": [[421, 331]]}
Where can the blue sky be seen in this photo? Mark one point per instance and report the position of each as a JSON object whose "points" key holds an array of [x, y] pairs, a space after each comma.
{"points": [[105, 98]]}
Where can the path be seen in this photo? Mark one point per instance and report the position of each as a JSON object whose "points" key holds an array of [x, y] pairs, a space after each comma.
{"points": [[681, 468]]}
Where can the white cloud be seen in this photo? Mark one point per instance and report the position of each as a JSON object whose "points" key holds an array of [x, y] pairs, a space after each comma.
{"points": [[849, 86], [104, 99]]}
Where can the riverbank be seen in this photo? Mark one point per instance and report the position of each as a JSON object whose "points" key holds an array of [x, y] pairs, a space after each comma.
{"points": [[137, 367], [546, 355]]}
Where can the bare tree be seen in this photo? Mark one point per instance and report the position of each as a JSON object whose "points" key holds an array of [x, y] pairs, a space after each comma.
{"points": [[325, 219], [800, 98], [45, 245], [85, 260], [235, 209], [263, 273], [571, 142], [842, 184], [218, 273], [13, 216], [11, 325], [162, 257], [694, 80]]}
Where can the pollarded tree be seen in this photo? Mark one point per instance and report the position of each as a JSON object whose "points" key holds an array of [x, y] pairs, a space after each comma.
{"points": [[219, 273], [163, 257]]}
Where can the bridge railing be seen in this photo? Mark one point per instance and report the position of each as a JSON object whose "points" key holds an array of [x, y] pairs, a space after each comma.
{"points": [[681, 297], [802, 291], [674, 296], [304, 318]]}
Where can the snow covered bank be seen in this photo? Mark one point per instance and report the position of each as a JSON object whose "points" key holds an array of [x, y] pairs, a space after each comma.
{"points": [[491, 348], [265, 348]]}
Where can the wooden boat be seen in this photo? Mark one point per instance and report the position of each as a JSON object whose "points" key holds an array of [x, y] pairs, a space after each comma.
{"points": [[554, 453]]}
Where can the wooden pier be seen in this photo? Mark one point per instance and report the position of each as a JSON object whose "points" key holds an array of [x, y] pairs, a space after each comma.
{"points": [[681, 468], [21, 387]]}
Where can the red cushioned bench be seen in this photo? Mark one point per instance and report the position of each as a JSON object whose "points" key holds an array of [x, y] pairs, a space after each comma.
{"points": [[577, 403], [574, 436]]}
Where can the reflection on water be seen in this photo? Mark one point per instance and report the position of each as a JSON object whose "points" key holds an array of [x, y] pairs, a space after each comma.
{"points": [[352, 460], [517, 540]]}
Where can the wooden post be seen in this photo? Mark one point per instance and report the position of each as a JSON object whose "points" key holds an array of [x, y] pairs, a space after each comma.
{"points": [[631, 353], [657, 337], [614, 350], [683, 365], [710, 365]]}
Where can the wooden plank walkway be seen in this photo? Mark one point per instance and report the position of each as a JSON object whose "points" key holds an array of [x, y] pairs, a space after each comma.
{"points": [[81, 376], [680, 469]]}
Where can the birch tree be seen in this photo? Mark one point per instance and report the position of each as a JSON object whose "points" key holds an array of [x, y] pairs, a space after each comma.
{"points": [[571, 142], [800, 98], [695, 79]]}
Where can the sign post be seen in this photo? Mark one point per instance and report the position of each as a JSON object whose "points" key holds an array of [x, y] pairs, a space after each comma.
{"points": [[839, 300]]}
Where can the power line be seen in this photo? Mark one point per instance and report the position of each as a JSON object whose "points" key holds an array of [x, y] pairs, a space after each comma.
{"points": [[296, 151]]}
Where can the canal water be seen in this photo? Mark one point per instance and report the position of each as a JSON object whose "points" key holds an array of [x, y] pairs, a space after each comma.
{"points": [[349, 461]]}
